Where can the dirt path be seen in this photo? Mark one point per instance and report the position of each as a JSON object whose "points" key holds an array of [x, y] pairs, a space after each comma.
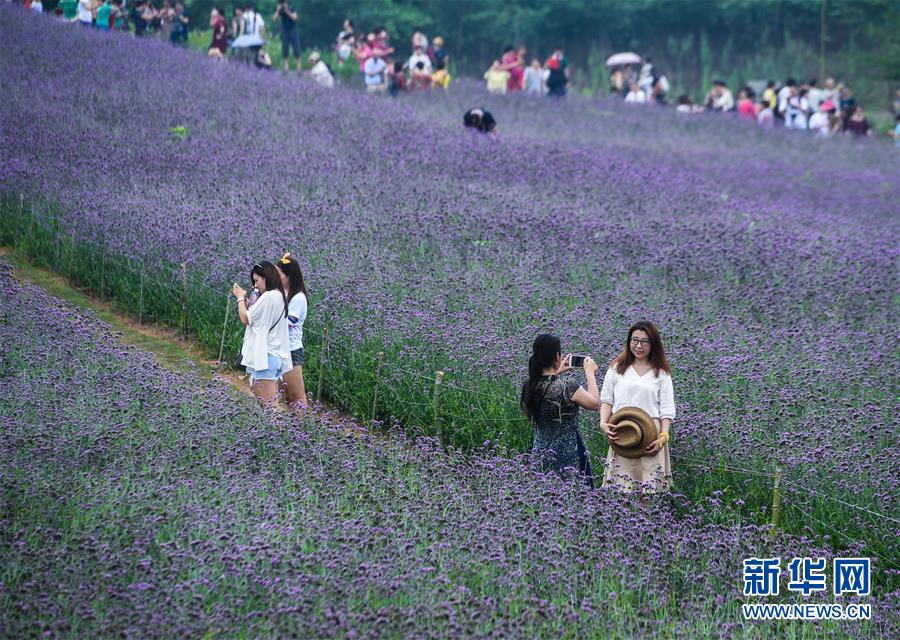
{"points": [[170, 349]]}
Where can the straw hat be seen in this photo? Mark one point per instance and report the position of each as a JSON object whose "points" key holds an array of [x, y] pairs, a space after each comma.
{"points": [[635, 430]]}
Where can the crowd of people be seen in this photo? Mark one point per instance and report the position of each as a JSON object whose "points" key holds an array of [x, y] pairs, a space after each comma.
{"points": [[381, 70], [510, 73]]}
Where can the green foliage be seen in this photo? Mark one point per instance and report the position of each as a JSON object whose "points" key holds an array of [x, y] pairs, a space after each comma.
{"points": [[691, 41]]}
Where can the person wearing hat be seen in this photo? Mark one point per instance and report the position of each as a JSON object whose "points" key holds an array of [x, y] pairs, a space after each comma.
{"points": [[636, 413], [820, 121], [319, 71], [551, 398]]}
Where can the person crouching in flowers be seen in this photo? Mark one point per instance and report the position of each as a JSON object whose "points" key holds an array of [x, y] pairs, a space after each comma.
{"points": [[295, 288], [551, 398], [265, 351], [639, 377]]}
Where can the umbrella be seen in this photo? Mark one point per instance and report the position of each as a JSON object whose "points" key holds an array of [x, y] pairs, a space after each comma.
{"points": [[625, 57], [248, 40]]}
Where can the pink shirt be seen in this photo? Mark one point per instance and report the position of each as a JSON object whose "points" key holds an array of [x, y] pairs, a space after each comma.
{"points": [[746, 109], [364, 53]]}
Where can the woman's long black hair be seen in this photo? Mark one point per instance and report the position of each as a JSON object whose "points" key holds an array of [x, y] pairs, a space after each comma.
{"points": [[267, 271], [544, 351], [291, 268]]}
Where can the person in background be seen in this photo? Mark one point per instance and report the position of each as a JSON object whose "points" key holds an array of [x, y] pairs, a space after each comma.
{"points": [[362, 53], [820, 122], [720, 97], [343, 44], [497, 78], [617, 81], [254, 24], [86, 13], [646, 76], [236, 30], [639, 377], [397, 80], [382, 41], [660, 90], [685, 104], [166, 17], [847, 104], [219, 29], [298, 304], [419, 40], [104, 11], [266, 348], [439, 62], [69, 10], [814, 95], [419, 56], [558, 66], [797, 114], [770, 96], [138, 13], [534, 78], [551, 399], [290, 35], [319, 71], [746, 108], [180, 25], [635, 95], [420, 77], [857, 124], [480, 119], [37, 7], [509, 62], [896, 133], [766, 114], [118, 17], [784, 94], [375, 67]]}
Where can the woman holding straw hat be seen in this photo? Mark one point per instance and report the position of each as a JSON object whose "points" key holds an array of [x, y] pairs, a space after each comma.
{"points": [[636, 413]]}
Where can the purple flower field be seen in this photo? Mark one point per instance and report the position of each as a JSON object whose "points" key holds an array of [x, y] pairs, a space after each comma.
{"points": [[156, 505], [769, 261]]}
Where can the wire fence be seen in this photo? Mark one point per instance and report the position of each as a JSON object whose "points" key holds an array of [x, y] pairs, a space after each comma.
{"points": [[176, 291]]}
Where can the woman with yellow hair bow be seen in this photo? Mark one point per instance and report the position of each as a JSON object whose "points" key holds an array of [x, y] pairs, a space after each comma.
{"points": [[295, 291]]}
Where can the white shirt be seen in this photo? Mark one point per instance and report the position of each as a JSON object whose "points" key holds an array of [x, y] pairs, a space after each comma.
{"points": [[322, 75], [374, 69], [297, 309], [419, 57], [37, 6], [259, 337], [534, 80], [253, 24], [84, 11], [636, 97], [648, 392]]}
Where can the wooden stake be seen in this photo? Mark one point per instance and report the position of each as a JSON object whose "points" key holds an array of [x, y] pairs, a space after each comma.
{"points": [[438, 379], [377, 381], [323, 356], [224, 328], [776, 500], [184, 300]]}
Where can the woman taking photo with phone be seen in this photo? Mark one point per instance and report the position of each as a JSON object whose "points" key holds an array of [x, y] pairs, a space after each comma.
{"points": [[639, 377], [295, 288], [265, 350], [551, 398]]}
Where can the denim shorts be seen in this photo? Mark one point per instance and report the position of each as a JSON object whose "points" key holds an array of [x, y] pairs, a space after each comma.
{"points": [[272, 373], [297, 357]]}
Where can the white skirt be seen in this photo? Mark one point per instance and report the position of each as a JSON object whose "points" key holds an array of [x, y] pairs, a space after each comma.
{"points": [[647, 474]]}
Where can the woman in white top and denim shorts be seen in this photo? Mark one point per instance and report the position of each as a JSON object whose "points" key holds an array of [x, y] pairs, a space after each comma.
{"points": [[639, 377], [265, 351]]}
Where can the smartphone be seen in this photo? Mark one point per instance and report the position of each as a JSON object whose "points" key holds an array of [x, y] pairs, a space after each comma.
{"points": [[577, 361]]}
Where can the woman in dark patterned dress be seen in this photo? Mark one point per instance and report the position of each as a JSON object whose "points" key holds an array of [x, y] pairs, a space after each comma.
{"points": [[551, 399]]}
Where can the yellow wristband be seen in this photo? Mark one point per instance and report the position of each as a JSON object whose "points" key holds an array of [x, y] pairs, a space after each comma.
{"points": [[665, 434]]}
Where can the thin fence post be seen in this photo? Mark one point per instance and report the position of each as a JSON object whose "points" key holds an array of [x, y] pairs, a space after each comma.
{"points": [[224, 328], [19, 226], [141, 297], [323, 356], [103, 271], [377, 381], [184, 300], [438, 379], [776, 500]]}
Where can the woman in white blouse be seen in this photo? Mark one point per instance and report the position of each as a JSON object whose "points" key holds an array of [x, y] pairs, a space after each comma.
{"points": [[265, 352], [639, 377]]}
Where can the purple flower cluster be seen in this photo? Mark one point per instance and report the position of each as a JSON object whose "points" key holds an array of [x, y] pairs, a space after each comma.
{"points": [[769, 261], [141, 503]]}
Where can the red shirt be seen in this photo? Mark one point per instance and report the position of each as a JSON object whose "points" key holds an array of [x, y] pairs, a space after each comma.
{"points": [[746, 109]]}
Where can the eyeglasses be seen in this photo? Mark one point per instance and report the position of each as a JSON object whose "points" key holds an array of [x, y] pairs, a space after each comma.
{"points": [[640, 341]]}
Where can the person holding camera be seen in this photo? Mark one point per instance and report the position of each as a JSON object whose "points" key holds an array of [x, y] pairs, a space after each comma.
{"points": [[551, 398], [292, 282], [290, 34], [265, 352], [639, 377]]}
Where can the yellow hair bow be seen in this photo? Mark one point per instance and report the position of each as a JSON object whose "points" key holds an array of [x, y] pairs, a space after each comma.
{"points": [[286, 258]]}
